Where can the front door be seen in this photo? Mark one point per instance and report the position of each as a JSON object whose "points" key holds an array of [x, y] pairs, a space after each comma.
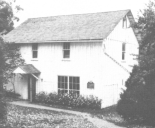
{"points": [[31, 88]]}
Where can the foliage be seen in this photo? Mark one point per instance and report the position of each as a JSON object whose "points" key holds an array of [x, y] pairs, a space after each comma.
{"points": [[9, 52], [7, 16], [138, 100], [71, 100], [11, 94], [2, 107], [24, 117], [10, 58]]}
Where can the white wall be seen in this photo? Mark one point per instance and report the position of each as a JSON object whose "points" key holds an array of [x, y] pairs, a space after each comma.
{"points": [[113, 44], [87, 61], [21, 85]]}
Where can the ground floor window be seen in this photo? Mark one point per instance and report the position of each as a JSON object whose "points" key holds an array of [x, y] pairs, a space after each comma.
{"points": [[68, 84], [62, 84]]}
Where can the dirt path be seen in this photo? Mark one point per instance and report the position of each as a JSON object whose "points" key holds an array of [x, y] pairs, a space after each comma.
{"points": [[100, 123]]}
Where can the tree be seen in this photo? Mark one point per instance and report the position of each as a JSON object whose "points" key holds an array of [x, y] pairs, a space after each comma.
{"points": [[10, 58], [7, 16], [9, 53], [138, 100]]}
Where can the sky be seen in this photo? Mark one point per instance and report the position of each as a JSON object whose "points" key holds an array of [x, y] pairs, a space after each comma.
{"points": [[43, 8]]}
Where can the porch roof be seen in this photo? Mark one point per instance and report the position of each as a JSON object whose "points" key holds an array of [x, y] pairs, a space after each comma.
{"points": [[26, 69]]}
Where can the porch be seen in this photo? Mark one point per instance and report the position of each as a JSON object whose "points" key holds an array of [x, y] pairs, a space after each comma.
{"points": [[25, 79]]}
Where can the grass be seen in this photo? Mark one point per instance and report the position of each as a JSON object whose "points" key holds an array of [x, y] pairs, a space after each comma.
{"points": [[23, 117], [108, 114], [111, 115]]}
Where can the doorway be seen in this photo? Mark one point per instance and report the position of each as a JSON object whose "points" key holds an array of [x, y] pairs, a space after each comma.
{"points": [[31, 88]]}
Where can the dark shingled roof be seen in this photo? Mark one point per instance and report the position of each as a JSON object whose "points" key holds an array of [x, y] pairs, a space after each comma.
{"points": [[90, 26], [29, 69]]}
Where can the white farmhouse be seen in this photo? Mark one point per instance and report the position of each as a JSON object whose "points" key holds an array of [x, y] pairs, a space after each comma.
{"points": [[88, 54]]}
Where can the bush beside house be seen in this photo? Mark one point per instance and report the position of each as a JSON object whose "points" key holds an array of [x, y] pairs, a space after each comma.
{"points": [[2, 107], [11, 94], [137, 102], [69, 100]]}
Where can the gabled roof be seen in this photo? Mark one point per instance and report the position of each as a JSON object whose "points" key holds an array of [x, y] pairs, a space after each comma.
{"points": [[92, 26], [26, 69]]}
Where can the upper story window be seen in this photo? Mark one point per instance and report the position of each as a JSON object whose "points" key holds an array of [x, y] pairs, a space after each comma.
{"points": [[66, 50], [124, 25], [35, 50], [123, 51]]}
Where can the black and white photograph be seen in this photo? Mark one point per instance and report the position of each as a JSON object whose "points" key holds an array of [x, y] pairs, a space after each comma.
{"points": [[77, 63]]}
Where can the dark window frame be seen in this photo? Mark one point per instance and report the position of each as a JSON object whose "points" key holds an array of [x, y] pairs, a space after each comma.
{"points": [[66, 50], [35, 50], [123, 50], [124, 24], [74, 85], [69, 84], [62, 84]]}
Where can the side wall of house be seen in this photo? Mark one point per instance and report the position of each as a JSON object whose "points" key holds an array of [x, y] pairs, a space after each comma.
{"points": [[113, 45]]}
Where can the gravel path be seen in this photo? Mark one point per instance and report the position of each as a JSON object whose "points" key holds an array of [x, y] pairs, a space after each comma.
{"points": [[99, 123]]}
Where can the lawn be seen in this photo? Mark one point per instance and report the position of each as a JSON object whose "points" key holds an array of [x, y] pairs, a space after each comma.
{"points": [[23, 117], [111, 115], [108, 114]]}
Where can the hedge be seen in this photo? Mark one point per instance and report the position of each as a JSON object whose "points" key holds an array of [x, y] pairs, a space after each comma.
{"points": [[70, 100]]}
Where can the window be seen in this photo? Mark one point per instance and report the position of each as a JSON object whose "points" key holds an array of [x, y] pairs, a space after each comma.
{"points": [[62, 84], [123, 51], [74, 85], [34, 50], [124, 22], [68, 85], [66, 50]]}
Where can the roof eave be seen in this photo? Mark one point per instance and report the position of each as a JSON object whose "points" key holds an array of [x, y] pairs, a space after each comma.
{"points": [[56, 41]]}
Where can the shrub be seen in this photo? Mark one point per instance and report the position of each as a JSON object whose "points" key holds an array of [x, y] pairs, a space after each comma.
{"points": [[41, 97], [69, 100], [137, 102], [2, 107], [11, 94]]}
